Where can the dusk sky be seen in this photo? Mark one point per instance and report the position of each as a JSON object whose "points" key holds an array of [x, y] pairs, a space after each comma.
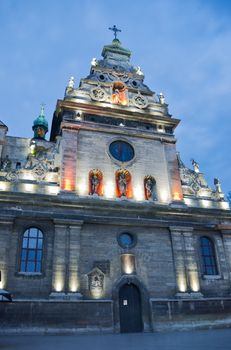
{"points": [[183, 48]]}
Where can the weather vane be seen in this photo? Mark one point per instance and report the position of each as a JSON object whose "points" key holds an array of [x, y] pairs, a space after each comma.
{"points": [[115, 30]]}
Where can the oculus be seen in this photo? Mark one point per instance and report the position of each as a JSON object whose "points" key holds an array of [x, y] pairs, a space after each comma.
{"points": [[126, 240], [122, 151]]}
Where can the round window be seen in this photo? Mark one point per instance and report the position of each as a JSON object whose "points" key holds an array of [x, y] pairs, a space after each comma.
{"points": [[126, 240], [121, 151]]}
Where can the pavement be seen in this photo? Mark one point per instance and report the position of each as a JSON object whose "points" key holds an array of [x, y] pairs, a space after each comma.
{"points": [[190, 340]]}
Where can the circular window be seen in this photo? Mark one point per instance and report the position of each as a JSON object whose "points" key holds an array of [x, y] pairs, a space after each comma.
{"points": [[102, 77], [126, 240], [134, 83], [121, 151]]}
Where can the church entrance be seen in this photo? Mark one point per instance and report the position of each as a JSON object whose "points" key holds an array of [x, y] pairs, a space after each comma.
{"points": [[130, 309]]}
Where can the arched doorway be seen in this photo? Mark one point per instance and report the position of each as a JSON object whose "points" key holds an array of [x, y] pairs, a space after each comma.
{"points": [[130, 310]]}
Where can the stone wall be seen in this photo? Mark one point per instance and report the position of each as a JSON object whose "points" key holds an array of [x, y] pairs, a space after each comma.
{"points": [[188, 314], [80, 315], [149, 160]]}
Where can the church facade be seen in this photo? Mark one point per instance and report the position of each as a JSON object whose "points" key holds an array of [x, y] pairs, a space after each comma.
{"points": [[103, 227]]}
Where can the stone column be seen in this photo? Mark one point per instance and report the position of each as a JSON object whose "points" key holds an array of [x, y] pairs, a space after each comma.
{"points": [[185, 261]]}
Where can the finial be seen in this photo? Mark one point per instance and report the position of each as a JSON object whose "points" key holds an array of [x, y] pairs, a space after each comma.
{"points": [[115, 30]]}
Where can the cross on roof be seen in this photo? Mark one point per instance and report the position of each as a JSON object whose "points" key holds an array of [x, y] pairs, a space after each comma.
{"points": [[115, 30], [42, 109]]}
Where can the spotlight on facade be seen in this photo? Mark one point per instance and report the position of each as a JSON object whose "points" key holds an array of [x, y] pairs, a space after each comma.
{"points": [[181, 282], [138, 193], [128, 263], [109, 190]]}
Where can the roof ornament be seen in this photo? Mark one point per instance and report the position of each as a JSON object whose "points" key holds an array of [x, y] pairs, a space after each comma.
{"points": [[94, 62], [195, 166], [217, 184], [42, 110], [115, 30], [71, 83], [139, 71], [161, 98]]}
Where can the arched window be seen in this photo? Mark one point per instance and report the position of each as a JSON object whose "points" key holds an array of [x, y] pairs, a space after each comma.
{"points": [[209, 264], [31, 253]]}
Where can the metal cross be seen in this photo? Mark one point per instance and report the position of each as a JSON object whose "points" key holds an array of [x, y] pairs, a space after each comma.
{"points": [[42, 109], [115, 30]]}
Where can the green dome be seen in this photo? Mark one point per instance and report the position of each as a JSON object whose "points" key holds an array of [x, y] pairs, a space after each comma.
{"points": [[40, 125], [40, 121]]}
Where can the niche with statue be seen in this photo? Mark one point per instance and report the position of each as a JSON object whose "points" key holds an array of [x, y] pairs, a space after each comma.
{"points": [[95, 182]]}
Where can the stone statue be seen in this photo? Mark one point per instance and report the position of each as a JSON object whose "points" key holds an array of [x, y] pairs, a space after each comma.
{"points": [[217, 184], [139, 71], [161, 98], [95, 181], [119, 93], [195, 166], [71, 83], [149, 188], [6, 164], [94, 62], [122, 184]]}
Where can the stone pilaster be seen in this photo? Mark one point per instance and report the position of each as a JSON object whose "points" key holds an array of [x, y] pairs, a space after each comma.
{"points": [[59, 258], [226, 235], [74, 255], [5, 233], [179, 261], [184, 253], [69, 159], [191, 261], [66, 252], [173, 171]]}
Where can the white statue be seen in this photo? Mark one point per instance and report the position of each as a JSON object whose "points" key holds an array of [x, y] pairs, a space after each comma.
{"points": [[71, 83], [161, 98], [139, 71], [94, 62], [195, 166], [217, 184]]}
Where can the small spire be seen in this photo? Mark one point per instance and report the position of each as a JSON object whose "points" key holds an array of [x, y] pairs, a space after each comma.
{"points": [[115, 30]]}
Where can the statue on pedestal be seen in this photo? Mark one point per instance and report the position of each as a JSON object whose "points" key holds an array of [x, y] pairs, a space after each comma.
{"points": [[195, 166], [149, 188], [123, 183], [95, 182]]}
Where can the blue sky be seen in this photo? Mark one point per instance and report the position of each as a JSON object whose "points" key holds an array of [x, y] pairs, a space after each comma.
{"points": [[183, 47]]}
